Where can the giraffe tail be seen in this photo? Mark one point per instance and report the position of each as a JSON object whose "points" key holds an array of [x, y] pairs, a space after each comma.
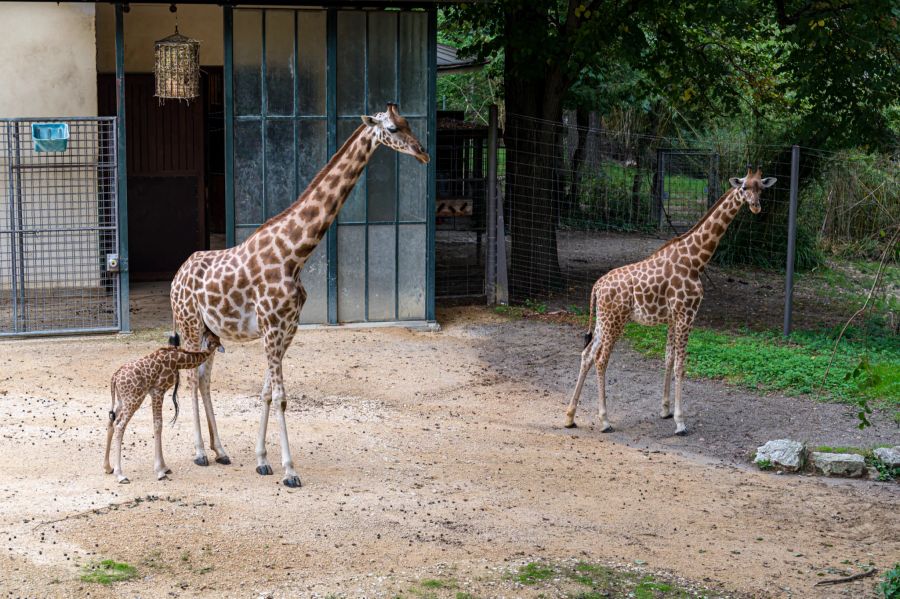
{"points": [[112, 392], [175, 393], [589, 336]]}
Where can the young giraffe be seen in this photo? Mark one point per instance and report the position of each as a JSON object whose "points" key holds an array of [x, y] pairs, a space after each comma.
{"points": [[153, 374], [664, 288], [253, 290]]}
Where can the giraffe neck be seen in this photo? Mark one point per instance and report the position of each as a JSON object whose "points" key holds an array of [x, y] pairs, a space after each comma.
{"points": [[183, 358], [700, 243], [295, 233]]}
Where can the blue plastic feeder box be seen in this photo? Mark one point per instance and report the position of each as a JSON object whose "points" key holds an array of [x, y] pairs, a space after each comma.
{"points": [[50, 137]]}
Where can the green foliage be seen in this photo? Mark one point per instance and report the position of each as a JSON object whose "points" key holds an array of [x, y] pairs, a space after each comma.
{"points": [[108, 572], [890, 584], [535, 306], [852, 199], [764, 464], [533, 573], [761, 240], [766, 362]]}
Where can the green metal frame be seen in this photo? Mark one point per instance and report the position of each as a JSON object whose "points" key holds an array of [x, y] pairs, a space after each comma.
{"points": [[228, 70], [122, 174], [332, 119]]}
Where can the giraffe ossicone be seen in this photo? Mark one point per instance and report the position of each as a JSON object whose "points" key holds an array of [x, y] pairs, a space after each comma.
{"points": [[663, 289], [253, 290]]}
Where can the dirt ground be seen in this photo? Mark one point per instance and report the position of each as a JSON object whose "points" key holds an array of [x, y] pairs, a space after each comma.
{"points": [[423, 455]]}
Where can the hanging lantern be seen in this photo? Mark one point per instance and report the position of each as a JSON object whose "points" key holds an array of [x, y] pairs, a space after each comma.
{"points": [[177, 67]]}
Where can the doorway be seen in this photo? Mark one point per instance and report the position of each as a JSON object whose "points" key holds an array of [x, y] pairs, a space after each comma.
{"points": [[176, 174]]}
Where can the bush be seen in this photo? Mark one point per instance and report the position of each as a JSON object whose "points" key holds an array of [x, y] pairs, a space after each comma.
{"points": [[851, 199]]}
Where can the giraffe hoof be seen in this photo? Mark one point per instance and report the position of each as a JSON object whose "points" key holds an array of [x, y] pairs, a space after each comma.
{"points": [[292, 482], [123, 480], [682, 433], [202, 461], [264, 470], [665, 416], [570, 425], [223, 459], [608, 429]]}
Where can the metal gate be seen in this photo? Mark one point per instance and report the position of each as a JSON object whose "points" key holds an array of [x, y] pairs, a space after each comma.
{"points": [[59, 235], [686, 186]]}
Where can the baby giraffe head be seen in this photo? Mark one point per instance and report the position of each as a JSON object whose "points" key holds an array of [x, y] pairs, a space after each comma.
{"points": [[751, 186], [393, 130]]}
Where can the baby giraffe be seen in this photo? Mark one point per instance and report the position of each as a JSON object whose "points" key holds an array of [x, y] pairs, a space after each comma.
{"points": [[153, 374]]}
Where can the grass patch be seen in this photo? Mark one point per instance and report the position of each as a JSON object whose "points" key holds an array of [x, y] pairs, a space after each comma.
{"points": [[434, 583], [533, 573], [766, 362], [108, 572], [764, 464]]}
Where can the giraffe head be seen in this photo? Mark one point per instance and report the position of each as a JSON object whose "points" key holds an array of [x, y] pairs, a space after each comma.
{"points": [[392, 130], [751, 186]]}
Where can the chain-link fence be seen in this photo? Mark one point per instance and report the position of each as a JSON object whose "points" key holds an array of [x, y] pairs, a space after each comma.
{"points": [[580, 201]]}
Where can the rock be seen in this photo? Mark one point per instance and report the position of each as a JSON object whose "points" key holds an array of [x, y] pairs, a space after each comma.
{"points": [[838, 464], [782, 453], [889, 455]]}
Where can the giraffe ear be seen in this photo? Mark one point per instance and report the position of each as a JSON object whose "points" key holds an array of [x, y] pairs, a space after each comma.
{"points": [[768, 182], [370, 121], [735, 182]]}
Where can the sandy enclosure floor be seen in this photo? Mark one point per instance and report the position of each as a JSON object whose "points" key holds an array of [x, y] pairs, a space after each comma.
{"points": [[422, 455]]}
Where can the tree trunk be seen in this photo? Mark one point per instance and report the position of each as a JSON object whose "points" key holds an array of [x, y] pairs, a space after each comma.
{"points": [[569, 208], [533, 189]]}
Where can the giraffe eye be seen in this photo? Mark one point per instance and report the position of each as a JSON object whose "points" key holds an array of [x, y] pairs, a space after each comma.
{"points": [[391, 128]]}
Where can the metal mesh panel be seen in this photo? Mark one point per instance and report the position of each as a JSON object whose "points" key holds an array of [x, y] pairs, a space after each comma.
{"points": [[461, 207], [58, 227]]}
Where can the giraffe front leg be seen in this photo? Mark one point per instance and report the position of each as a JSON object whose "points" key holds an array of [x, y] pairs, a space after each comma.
{"points": [[215, 442], [277, 340], [681, 341], [667, 383], [159, 464], [193, 383], [290, 475], [262, 462]]}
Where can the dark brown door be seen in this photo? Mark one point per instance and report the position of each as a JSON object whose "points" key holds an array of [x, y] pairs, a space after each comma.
{"points": [[166, 167]]}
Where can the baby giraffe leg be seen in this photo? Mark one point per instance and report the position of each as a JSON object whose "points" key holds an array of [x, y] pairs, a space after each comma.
{"points": [[107, 467], [129, 407], [159, 464]]}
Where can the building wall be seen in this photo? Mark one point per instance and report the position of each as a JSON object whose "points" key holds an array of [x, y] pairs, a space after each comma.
{"points": [[145, 24], [48, 65]]}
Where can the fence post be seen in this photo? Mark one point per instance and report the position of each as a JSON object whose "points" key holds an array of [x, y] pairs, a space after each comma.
{"points": [[792, 241], [122, 175], [491, 261]]}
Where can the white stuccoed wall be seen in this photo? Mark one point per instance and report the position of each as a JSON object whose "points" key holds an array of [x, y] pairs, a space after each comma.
{"points": [[49, 59]]}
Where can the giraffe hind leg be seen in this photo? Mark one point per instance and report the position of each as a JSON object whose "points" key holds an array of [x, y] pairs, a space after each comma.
{"points": [[588, 355]]}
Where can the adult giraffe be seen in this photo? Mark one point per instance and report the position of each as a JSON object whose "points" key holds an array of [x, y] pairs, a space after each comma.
{"points": [[662, 289], [253, 290]]}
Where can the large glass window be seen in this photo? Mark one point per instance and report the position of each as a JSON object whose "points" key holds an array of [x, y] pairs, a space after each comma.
{"points": [[285, 128]]}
